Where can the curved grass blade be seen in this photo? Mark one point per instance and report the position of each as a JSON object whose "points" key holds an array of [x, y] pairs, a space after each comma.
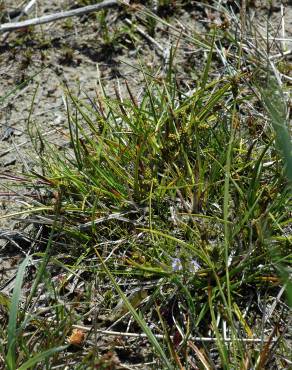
{"points": [[274, 102], [12, 332], [40, 357], [151, 337]]}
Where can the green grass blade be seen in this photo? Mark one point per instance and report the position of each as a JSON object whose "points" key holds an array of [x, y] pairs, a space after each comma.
{"points": [[151, 337], [40, 357], [20, 86], [275, 105], [12, 334]]}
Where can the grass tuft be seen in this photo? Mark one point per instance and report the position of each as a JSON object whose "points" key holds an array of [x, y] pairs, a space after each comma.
{"points": [[184, 195]]}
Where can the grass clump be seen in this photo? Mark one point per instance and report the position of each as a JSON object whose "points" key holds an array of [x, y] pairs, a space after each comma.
{"points": [[182, 196]]}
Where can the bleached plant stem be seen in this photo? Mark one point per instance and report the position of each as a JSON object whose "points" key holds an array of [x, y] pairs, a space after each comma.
{"points": [[28, 7], [283, 28], [146, 36], [161, 336], [57, 16]]}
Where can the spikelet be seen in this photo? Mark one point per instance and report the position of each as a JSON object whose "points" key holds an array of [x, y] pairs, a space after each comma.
{"points": [[76, 338]]}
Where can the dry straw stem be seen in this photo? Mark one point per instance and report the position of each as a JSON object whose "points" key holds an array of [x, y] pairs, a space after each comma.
{"points": [[162, 336], [25, 11], [146, 36], [61, 15]]}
